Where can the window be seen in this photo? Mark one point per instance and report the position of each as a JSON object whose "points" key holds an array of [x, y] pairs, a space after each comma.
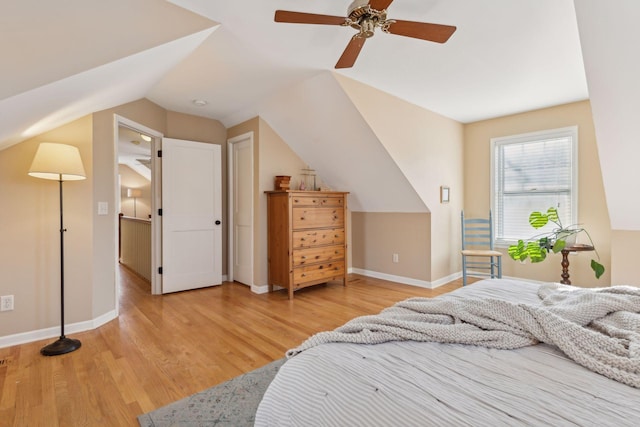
{"points": [[533, 172]]}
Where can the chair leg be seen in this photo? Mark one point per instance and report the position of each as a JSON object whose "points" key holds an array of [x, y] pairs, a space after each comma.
{"points": [[499, 267], [464, 271], [493, 264]]}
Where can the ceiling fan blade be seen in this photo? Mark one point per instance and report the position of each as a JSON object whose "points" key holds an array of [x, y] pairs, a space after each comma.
{"points": [[380, 4], [351, 52], [422, 30], [307, 18]]}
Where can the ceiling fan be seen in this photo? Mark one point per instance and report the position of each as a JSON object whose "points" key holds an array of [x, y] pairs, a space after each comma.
{"points": [[365, 16]]}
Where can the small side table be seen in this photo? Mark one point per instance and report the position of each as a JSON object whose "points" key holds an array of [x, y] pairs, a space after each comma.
{"points": [[565, 259]]}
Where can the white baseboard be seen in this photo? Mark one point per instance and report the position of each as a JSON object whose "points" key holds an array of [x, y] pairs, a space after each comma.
{"points": [[393, 278], [257, 289], [54, 332]]}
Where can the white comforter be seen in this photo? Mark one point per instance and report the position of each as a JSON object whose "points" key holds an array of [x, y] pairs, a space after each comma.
{"points": [[420, 383]]}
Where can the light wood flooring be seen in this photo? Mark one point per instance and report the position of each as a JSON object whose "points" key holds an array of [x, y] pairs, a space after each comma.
{"points": [[164, 348]]}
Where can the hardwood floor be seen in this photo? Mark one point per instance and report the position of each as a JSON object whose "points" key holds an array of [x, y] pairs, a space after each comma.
{"points": [[164, 348]]}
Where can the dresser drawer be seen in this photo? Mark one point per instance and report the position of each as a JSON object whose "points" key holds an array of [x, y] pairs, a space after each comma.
{"points": [[309, 238], [314, 255], [325, 201], [305, 201], [317, 217], [319, 272]]}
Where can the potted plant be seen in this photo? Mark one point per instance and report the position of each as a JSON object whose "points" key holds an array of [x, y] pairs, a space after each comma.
{"points": [[537, 247]]}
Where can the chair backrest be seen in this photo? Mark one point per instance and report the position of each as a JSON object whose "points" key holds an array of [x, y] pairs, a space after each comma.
{"points": [[477, 233]]}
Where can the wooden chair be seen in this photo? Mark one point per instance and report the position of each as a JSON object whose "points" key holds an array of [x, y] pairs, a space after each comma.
{"points": [[477, 245]]}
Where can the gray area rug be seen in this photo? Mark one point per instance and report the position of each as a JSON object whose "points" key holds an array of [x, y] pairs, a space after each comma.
{"points": [[232, 403]]}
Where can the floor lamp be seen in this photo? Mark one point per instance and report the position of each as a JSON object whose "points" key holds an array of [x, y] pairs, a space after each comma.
{"points": [[59, 162], [135, 193]]}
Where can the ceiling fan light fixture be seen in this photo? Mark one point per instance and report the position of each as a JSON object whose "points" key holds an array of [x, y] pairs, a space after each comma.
{"points": [[365, 16]]}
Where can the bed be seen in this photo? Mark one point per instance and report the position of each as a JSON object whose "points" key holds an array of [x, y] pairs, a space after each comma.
{"points": [[416, 383]]}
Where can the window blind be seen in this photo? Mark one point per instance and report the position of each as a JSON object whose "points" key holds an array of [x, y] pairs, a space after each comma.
{"points": [[533, 173]]}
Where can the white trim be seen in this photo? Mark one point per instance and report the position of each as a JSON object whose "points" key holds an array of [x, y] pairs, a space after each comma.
{"points": [[260, 289], [444, 280], [230, 188], [156, 202], [571, 131], [54, 332], [392, 278]]}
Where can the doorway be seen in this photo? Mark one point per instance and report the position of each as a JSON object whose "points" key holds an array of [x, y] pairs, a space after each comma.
{"points": [[241, 208], [137, 191]]}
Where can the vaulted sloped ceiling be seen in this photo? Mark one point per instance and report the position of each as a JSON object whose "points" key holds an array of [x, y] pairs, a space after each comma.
{"points": [[322, 125], [64, 60], [46, 107], [426, 146], [609, 33]]}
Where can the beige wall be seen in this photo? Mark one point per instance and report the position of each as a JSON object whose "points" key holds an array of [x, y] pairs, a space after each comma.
{"points": [[376, 236], [428, 148], [592, 207], [131, 179], [30, 242], [624, 257], [30, 263]]}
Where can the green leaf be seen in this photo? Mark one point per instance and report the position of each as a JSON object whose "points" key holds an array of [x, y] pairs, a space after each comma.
{"points": [[535, 252], [559, 246], [597, 268], [552, 215], [517, 252], [538, 219]]}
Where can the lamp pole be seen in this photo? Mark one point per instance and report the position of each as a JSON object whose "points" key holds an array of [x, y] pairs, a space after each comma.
{"points": [[63, 344], [59, 162]]}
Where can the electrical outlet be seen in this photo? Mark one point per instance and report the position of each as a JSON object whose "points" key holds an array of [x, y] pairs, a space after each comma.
{"points": [[396, 258], [6, 303]]}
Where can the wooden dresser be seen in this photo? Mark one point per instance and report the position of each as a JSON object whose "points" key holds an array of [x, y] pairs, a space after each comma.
{"points": [[306, 238]]}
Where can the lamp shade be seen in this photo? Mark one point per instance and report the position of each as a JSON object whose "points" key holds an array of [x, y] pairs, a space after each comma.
{"points": [[134, 192], [59, 162]]}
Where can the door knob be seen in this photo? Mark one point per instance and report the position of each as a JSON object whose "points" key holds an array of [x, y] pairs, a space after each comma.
{"points": [[218, 222]]}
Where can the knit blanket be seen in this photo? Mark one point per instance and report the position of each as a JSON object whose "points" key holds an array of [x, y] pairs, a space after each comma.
{"points": [[597, 328]]}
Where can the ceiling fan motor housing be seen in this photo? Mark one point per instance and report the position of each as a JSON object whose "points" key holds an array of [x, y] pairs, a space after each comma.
{"points": [[365, 19]]}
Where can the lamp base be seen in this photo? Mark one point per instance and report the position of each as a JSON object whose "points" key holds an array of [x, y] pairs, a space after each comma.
{"points": [[62, 346]]}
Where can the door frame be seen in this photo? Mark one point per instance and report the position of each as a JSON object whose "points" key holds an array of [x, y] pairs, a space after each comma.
{"points": [[156, 225], [230, 192]]}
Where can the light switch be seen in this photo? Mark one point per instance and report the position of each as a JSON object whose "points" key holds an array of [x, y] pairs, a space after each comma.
{"points": [[103, 208]]}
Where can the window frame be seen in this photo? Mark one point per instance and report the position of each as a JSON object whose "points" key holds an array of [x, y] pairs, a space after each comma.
{"points": [[569, 131]]}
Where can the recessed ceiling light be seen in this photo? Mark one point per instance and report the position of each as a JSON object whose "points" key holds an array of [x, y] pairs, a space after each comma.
{"points": [[199, 102], [145, 137], [135, 142]]}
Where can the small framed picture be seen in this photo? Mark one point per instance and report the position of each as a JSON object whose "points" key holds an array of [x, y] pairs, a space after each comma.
{"points": [[444, 194]]}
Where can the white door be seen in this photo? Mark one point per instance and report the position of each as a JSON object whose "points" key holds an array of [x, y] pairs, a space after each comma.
{"points": [[191, 215], [241, 156]]}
